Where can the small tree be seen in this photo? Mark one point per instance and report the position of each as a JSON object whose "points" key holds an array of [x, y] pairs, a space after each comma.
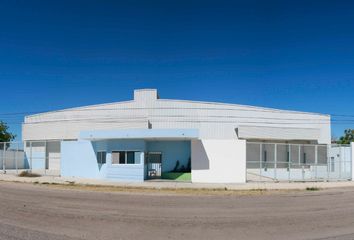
{"points": [[347, 138], [5, 135]]}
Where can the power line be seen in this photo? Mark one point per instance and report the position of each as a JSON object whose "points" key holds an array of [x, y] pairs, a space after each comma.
{"points": [[111, 116], [197, 117], [167, 108], [136, 120]]}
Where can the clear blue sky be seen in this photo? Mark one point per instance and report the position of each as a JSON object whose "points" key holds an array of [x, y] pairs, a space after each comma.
{"points": [[295, 55]]}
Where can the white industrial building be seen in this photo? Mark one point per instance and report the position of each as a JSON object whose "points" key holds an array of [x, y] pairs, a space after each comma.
{"points": [[145, 137]]}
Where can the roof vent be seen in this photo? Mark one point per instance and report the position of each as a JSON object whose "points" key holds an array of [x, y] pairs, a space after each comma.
{"points": [[145, 95]]}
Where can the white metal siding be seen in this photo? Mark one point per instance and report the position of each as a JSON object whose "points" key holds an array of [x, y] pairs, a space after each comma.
{"points": [[279, 133], [214, 120]]}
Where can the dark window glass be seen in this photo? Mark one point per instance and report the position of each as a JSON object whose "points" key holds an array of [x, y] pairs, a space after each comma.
{"points": [[130, 158], [121, 157], [101, 157], [103, 154]]}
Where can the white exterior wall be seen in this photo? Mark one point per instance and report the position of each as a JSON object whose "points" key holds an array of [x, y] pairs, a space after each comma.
{"points": [[219, 161], [214, 120]]}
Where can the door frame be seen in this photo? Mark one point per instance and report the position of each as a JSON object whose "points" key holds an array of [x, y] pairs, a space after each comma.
{"points": [[148, 164]]}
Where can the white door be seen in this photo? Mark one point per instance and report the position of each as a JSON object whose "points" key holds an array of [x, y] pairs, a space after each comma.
{"points": [[53, 156]]}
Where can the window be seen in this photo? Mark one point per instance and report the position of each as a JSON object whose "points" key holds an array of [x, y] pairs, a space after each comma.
{"points": [[125, 157], [101, 157], [122, 157], [305, 158], [117, 157], [130, 158]]}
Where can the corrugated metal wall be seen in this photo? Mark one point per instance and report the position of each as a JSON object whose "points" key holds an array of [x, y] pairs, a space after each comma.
{"points": [[214, 120]]}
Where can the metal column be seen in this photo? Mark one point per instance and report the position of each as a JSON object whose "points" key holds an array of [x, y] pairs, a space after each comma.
{"points": [[275, 161], [4, 158]]}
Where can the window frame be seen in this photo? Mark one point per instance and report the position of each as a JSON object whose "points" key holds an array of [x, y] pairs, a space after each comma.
{"points": [[116, 151], [125, 157], [99, 155]]}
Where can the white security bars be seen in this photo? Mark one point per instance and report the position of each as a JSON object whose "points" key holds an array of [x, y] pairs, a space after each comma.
{"points": [[298, 162]]}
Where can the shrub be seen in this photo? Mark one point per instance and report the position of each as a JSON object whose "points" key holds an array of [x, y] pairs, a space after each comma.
{"points": [[312, 189], [189, 166], [176, 167]]}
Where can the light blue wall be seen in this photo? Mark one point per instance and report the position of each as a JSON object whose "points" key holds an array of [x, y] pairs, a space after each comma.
{"points": [[117, 145], [171, 152], [127, 172], [36, 157], [78, 158], [38, 160]]}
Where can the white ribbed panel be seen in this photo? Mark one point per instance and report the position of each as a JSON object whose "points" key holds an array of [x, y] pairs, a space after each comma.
{"points": [[214, 120], [278, 133]]}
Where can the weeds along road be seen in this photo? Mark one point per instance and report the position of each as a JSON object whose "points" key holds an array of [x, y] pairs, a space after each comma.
{"points": [[43, 212]]}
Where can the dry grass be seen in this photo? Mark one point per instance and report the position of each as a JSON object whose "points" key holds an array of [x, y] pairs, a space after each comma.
{"points": [[312, 189], [28, 174], [164, 191]]}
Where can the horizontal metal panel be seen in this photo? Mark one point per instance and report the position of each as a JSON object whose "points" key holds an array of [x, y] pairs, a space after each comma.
{"points": [[140, 134], [214, 120], [68, 130], [281, 133]]}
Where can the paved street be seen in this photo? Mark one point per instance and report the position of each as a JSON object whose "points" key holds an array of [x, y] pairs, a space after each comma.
{"points": [[41, 212]]}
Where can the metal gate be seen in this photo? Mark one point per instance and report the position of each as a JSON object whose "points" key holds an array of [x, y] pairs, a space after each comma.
{"points": [[154, 165], [297, 162]]}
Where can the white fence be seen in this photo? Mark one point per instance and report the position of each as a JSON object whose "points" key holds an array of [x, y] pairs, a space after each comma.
{"points": [[39, 157], [298, 162]]}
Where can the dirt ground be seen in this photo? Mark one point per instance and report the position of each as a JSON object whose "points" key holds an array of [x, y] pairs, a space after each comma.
{"points": [[29, 211]]}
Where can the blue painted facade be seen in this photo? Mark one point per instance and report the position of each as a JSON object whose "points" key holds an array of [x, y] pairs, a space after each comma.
{"points": [[78, 158], [172, 151]]}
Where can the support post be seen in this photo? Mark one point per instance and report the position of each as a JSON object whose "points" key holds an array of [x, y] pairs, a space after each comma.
{"points": [[352, 160], [341, 155], [45, 158], [4, 158], [329, 161], [31, 156], [289, 163], [260, 161], [16, 158], [316, 161], [275, 161]]}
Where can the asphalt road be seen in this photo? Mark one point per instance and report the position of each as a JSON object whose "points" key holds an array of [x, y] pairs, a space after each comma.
{"points": [[40, 212]]}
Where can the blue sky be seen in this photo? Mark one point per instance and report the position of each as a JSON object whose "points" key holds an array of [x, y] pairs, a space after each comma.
{"points": [[295, 55]]}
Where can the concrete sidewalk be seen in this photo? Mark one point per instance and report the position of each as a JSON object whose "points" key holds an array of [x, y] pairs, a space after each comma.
{"points": [[164, 184]]}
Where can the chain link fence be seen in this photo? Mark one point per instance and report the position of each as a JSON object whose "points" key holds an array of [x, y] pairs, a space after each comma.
{"points": [[297, 162]]}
